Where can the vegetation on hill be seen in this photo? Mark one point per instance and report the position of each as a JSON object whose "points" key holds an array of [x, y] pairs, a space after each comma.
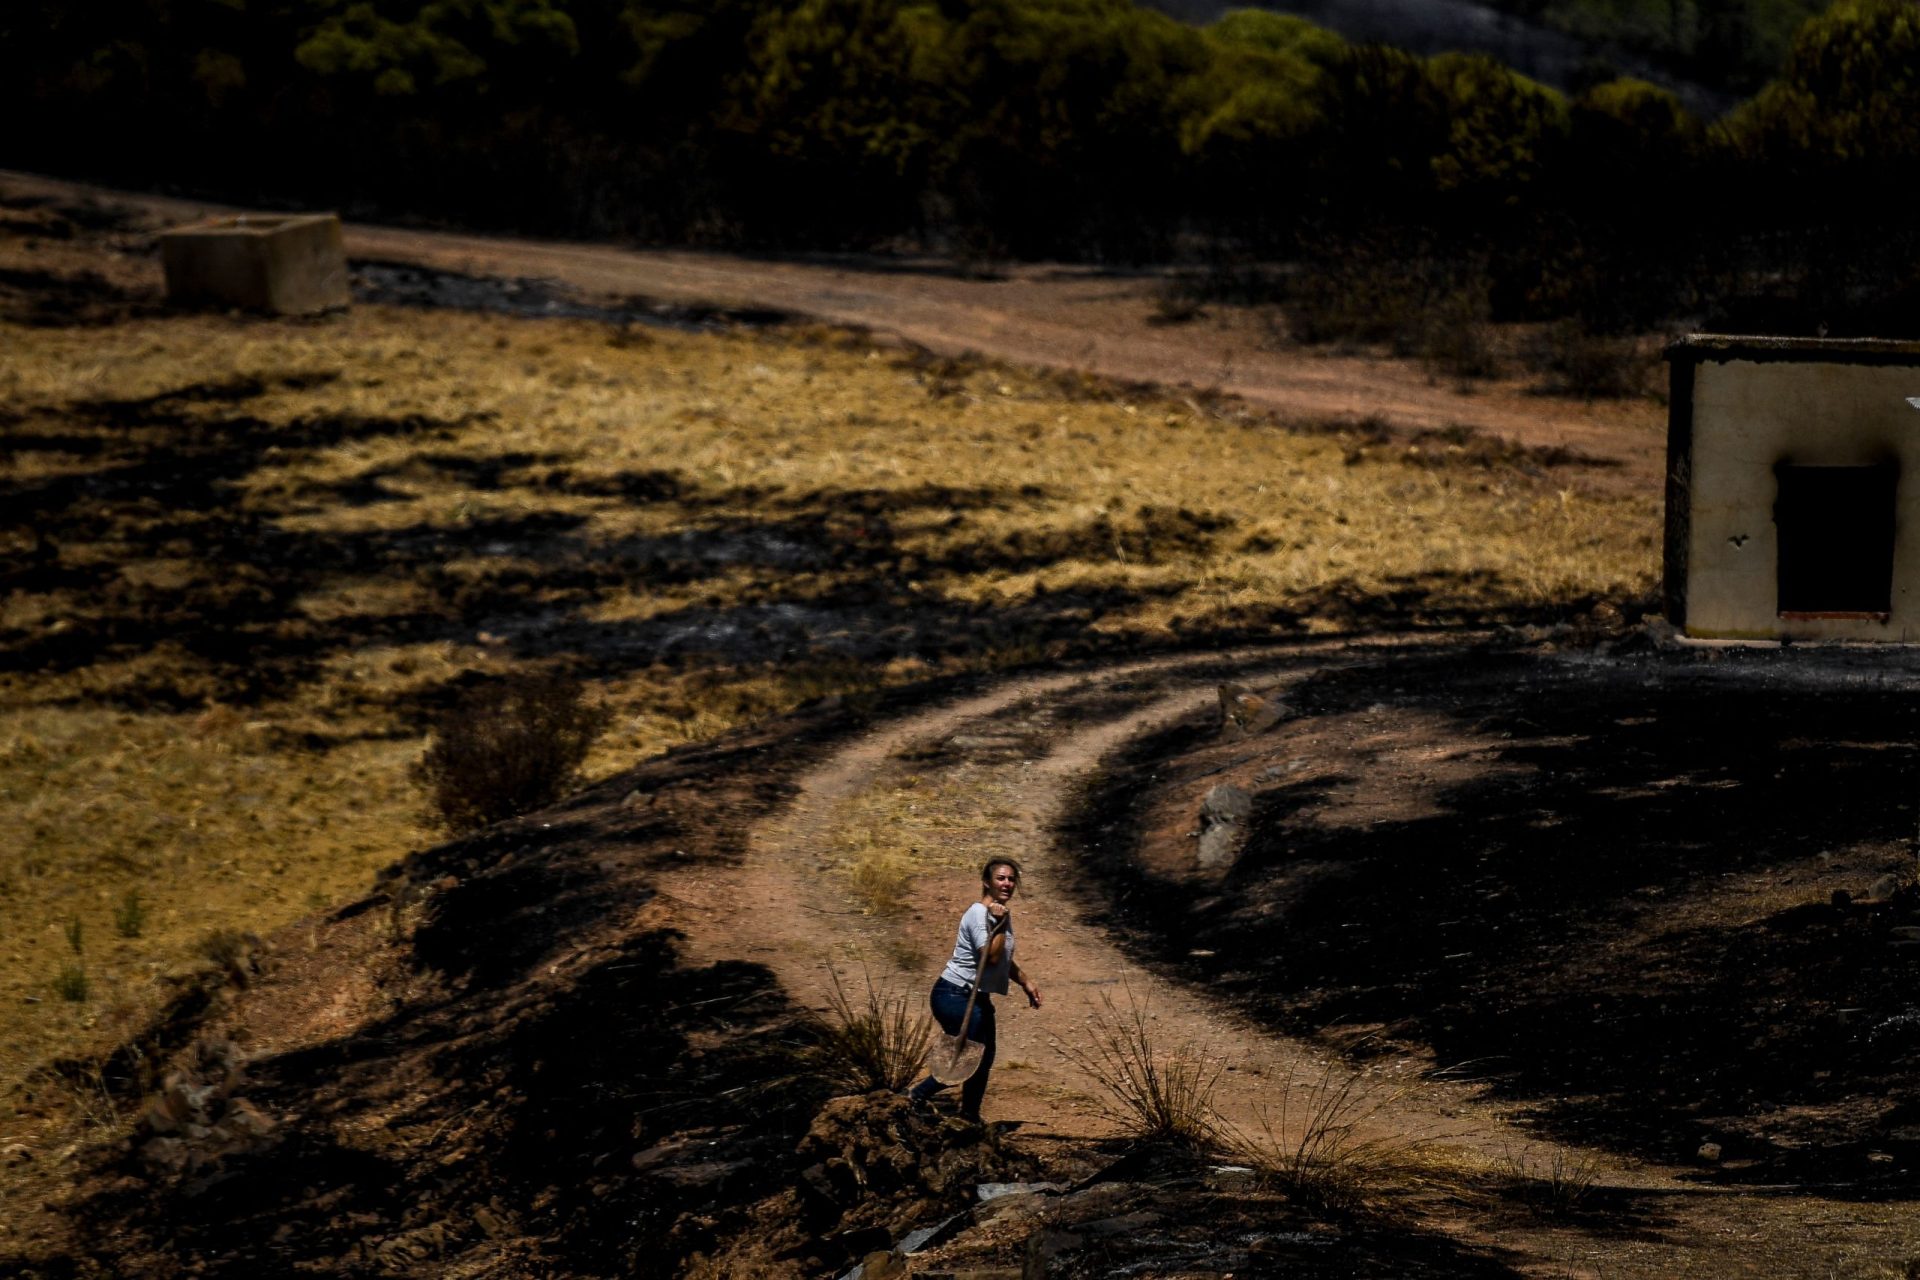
{"points": [[1080, 128]]}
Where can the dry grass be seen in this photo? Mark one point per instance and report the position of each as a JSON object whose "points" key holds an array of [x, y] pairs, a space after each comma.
{"points": [[1154, 1090], [879, 1043], [890, 834], [1326, 1141], [708, 528], [1555, 1180]]}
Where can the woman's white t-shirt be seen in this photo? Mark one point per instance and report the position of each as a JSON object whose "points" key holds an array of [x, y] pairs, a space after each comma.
{"points": [[975, 927]]}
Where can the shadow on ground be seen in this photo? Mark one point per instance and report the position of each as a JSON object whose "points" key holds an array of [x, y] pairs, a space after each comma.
{"points": [[1624, 920]]}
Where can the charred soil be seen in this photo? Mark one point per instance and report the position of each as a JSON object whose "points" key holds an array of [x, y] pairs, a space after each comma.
{"points": [[1661, 901]]}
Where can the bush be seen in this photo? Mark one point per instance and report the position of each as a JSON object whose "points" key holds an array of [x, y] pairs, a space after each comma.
{"points": [[1157, 1092], [71, 984], [1418, 306], [878, 1044], [1333, 1145], [1558, 1181], [1579, 362], [508, 749], [130, 916], [231, 949]]}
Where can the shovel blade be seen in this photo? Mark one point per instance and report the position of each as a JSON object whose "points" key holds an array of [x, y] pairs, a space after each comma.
{"points": [[954, 1059]]}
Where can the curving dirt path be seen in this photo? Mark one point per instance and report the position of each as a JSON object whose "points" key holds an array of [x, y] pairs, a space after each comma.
{"points": [[934, 794]]}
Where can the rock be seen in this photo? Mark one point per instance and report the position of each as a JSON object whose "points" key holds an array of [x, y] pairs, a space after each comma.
{"points": [[994, 1190], [1223, 825], [1047, 1251], [1227, 803], [244, 1119], [928, 1237], [1883, 887], [1709, 1152], [1219, 847], [1244, 713], [164, 1155], [883, 1264], [1231, 1176]]}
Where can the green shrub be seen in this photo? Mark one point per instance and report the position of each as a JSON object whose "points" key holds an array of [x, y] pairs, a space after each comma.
{"points": [[76, 935], [71, 983], [130, 916], [508, 749]]}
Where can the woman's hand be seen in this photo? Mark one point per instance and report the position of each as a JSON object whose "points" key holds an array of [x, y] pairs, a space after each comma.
{"points": [[998, 910], [1033, 994]]}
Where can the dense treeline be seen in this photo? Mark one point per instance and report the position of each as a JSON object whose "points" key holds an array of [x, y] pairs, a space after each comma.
{"points": [[1086, 128]]}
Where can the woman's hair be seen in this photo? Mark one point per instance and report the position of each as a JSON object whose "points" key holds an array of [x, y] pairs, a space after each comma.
{"points": [[986, 872]]}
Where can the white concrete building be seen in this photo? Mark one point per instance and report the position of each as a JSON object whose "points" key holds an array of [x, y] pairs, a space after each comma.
{"points": [[1793, 488]]}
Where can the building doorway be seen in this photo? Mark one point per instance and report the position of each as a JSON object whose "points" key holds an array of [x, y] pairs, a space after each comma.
{"points": [[1835, 527]]}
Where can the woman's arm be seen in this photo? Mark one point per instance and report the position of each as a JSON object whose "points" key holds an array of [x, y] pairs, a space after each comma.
{"points": [[1026, 984], [996, 933]]}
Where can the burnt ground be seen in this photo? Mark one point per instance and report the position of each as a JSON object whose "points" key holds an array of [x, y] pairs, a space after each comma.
{"points": [[502, 1064], [499, 1059], [1633, 892]]}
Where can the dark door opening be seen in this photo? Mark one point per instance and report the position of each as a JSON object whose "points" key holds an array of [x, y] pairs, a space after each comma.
{"points": [[1835, 528]]}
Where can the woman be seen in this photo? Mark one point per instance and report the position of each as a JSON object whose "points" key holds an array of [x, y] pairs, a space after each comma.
{"points": [[984, 947]]}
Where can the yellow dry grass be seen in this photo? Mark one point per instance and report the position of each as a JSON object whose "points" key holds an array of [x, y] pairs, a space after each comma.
{"points": [[462, 522]]}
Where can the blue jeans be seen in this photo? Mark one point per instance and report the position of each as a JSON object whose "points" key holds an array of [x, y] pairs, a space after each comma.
{"points": [[949, 1002]]}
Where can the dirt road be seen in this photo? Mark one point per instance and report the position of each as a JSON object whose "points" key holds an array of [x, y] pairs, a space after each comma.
{"points": [[1067, 317], [936, 793]]}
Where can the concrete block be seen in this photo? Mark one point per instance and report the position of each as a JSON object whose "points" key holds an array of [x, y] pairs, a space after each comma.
{"points": [[288, 264]]}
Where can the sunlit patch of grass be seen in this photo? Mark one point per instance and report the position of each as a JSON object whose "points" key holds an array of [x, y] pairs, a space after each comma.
{"points": [[198, 820], [895, 832]]}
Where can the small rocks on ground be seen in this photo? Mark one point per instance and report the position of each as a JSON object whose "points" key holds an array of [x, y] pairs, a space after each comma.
{"points": [[1883, 887], [1244, 713], [1223, 825]]}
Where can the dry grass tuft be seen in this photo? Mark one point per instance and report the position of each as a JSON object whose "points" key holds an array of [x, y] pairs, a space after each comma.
{"points": [[1157, 1092], [1324, 1143], [1557, 1181], [879, 1043], [71, 983]]}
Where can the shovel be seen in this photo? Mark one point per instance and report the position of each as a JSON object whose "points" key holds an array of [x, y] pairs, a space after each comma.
{"points": [[954, 1059]]}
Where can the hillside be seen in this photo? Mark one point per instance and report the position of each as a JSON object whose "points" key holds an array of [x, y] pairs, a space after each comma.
{"points": [[866, 614]]}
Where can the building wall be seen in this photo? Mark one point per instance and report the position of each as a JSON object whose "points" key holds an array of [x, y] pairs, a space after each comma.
{"points": [[1802, 404]]}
